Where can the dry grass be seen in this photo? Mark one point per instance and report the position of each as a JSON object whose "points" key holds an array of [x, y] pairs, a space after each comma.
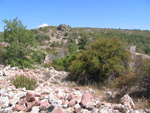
{"points": [[95, 92], [142, 103]]}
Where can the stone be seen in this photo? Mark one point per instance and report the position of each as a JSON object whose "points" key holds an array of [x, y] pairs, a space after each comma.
{"points": [[72, 102], [4, 101], [57, 110], [89, 105], [86, 97], [30, 105], [29, 96], [57, 103], [85, 111], [77, 88], [63, 27], [35, 109], [94, 110], [127, 101], [18, 108], [14, 100], [121, 108], [44, 105], [22, 101]]}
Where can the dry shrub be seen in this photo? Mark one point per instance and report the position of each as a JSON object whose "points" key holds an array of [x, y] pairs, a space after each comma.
{"points": [[142, 103], [24, 81], [126, 80]]}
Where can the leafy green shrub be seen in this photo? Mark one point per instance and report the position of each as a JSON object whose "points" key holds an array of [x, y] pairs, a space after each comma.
{"points": [[64, 63], [2, 53], [72, 47], [38, 56], [58, 64], [1, 36], [24, 81], [105, 58], [42, 37], [66, 34]]}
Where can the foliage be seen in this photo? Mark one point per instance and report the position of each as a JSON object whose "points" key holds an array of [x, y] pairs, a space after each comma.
{"points": [[143, 73], [64, 63], [38, 56], [20, 41], [1, 36], [140, 38], [58, 64], [24, 81], [72, 47], [2, 53], [125, 80], [42, 37], [83, 42], [105, 57], [54, 44]]}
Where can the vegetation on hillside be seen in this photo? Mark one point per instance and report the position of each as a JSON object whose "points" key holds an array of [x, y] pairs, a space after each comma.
{"points": [[104, 58]]}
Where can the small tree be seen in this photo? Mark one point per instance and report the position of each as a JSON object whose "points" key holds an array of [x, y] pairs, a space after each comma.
{"points": [[20, 42]]}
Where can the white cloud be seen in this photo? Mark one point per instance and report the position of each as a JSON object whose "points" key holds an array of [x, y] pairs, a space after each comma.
{"points": [[43, 25]]}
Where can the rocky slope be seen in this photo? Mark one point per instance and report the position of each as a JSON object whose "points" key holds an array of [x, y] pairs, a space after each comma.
{"points": [[53, 95]]}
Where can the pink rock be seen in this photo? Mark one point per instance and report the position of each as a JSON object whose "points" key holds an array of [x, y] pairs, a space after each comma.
{"points": [[58, 110], [36, 95], [86, 97], [63, 102], [127, 101], [43, 96], [44, 105], [72, 102], [29, 96], [1, 104], [77, 88], [23, 101], [30, 105], [18, 108], [70, 97], [12, 87], [66, 91]]}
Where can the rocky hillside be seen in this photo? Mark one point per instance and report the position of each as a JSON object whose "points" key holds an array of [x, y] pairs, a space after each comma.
{"points": [[55, 95]]}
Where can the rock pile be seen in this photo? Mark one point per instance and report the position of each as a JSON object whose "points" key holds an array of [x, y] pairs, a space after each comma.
{"points": [[52, 98], [48, 97]]}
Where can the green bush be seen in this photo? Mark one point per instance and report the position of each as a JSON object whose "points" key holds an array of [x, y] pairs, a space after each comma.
{"points": [[38, 56], [64, 63], [143, 73], [2, 53], [42, 37], [24, 81], [105, 58]]}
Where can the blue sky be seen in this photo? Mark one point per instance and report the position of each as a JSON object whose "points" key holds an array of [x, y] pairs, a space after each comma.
{"points": [[124, 14]]}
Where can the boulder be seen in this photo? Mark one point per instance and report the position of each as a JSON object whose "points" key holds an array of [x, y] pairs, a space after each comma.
{"points": [[35, 109], [86, 97], [18, 108], [63, 27], [127, 101], [29, 96], [44, 105]]}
